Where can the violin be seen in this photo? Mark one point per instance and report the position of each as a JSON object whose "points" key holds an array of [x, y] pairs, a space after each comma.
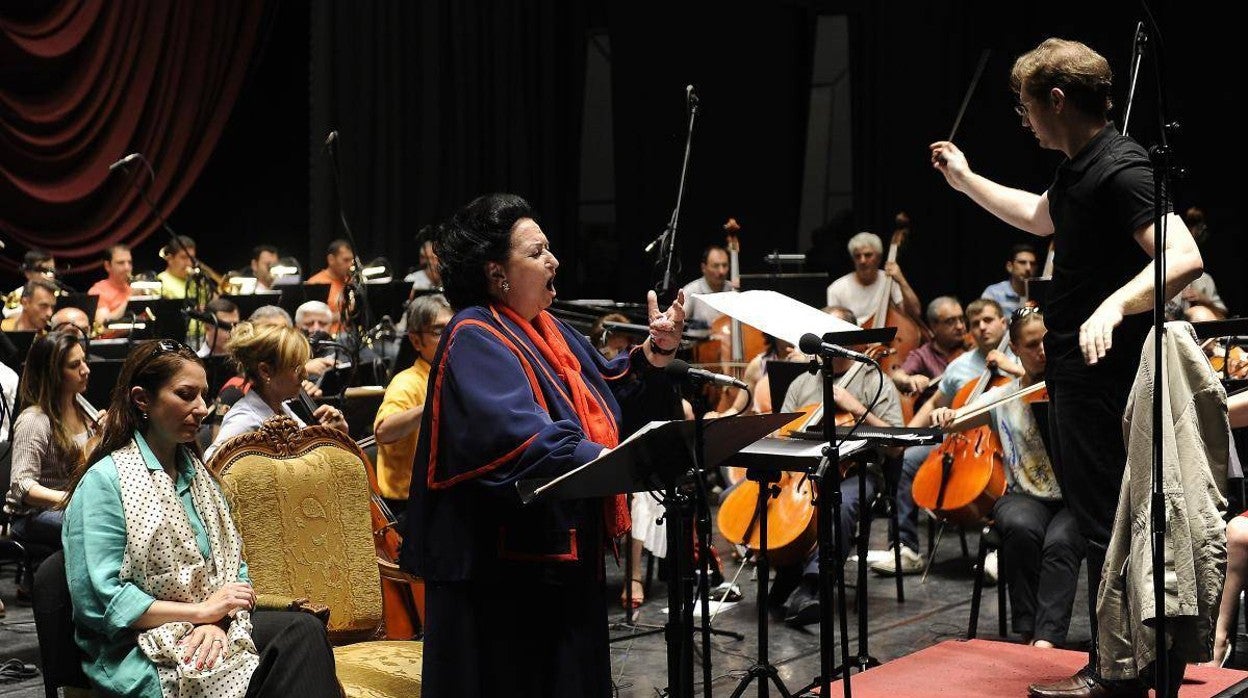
{"points": [[97, 424], [402, 597], [911, 332], [963, 476]]}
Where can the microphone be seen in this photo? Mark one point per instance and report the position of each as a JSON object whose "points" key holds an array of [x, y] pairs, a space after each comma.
{"points": [[690, 96], [207, 319], [124, 161], [681, 370], [811, 343], [333, 136]]}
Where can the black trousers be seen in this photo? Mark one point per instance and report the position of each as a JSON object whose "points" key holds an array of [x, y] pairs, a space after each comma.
{"points": [[516, 636], [1041, 548], [1085, 426], [295, 657]]}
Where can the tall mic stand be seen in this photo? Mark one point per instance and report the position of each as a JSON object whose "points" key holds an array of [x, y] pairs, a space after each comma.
{"points": [[1164, 169], [196, 278], [827, 479], [355, 285], [667, 239]]}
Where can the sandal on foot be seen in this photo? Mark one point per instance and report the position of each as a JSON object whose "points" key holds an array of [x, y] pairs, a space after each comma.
{"points": [[639, 594]]}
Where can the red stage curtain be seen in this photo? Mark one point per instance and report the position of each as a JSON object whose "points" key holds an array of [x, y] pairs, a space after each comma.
{"points": [[83, 83]]}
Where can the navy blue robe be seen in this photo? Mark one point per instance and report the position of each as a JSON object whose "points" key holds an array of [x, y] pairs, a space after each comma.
{"points": [[515, 602]]}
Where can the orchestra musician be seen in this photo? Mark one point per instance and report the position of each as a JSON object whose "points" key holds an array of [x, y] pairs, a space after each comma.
{"points": [[1099, 209], [1236, 552], [397, 423], [1012, 292], [36, 264], [176, 280], [427, 277], [114, 289], [926, 364], [515, 393], [263, 257], [859, 290], [217, 334], [37, 305], [801, 607], [1038, 532], [755, 376], [339, 258], [272, 360], [50, 436], [987, 329], [714, 279]]}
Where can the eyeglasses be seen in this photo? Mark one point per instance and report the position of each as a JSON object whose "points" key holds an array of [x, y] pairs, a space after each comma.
{"points": [[166, 346], [435, 333], [952, 321]]}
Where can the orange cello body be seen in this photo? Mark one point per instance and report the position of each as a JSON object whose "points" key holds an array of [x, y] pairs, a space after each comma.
{"points": [[963, 476], [402, 603]]}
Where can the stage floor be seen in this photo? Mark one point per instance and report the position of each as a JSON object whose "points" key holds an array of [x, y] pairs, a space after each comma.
{"points": [[936, 609]]}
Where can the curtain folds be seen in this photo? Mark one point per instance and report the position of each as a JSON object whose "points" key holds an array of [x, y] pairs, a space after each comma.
{"points": [[83, 83]]}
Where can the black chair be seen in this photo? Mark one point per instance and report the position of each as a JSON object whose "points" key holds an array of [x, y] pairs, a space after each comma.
{"points": [[989, 538], [54, 625]]}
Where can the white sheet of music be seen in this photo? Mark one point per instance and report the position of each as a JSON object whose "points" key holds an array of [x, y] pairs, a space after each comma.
{"points": [[775, 314]]}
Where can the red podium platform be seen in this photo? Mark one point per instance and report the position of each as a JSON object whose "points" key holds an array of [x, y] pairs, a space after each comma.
{"points": [[985, 669]]}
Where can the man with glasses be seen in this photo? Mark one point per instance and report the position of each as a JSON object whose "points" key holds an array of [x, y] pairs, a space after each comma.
{"points": [[1011, 293], [397, 424], [923, 366], [1099, 210]]}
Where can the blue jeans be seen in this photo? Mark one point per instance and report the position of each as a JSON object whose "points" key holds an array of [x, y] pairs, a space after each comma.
{"points": [[40, 532], [907, 512]]}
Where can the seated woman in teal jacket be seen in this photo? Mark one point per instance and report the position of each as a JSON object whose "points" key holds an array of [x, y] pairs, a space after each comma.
{"points": [[162, 600]]}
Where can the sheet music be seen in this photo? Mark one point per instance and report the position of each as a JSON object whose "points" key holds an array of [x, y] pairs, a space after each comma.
{"points": [[775, 314], [782, 447]]}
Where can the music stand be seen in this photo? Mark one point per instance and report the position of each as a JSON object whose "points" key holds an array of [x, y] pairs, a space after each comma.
{"points": [[809, 288], [662, 456], [85, 302], [169, 322], [295, 295], [247, 303], [104, 375], [387, 299], [21, 341]]}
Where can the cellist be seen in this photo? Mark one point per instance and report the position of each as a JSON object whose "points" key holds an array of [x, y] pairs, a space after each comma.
{"points": [[924, 366], [1039, 532], [987, 327], [801, 607], [859, 289]]}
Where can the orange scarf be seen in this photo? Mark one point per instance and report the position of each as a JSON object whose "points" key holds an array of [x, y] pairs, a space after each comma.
{"points": [[598, 423]]}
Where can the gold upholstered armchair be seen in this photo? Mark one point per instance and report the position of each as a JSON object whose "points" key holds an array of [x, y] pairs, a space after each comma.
{"points": [[300, 499]]}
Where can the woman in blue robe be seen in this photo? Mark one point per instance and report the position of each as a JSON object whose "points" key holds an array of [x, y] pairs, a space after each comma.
{"points": [[515, 599]]}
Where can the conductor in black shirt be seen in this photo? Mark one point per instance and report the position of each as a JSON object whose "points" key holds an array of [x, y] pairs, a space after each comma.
{"points": [[1099, 210]]}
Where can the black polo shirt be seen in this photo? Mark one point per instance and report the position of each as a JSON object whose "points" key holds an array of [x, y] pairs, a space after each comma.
{"points": [[1097, 201]]}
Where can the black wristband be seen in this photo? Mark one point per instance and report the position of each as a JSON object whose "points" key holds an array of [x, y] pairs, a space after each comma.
{"points": [[654, 347]]}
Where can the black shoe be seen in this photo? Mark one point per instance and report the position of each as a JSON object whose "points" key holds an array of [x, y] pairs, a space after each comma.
{"points": [[802, 607], [782, 587]]}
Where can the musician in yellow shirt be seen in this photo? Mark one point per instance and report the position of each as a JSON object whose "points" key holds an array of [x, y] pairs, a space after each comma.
{"points": [[397, 425]]}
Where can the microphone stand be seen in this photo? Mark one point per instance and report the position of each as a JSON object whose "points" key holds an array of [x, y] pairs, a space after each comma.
{"points": [[195, 277], [667, 239], [1164, 169], [355, 285]]}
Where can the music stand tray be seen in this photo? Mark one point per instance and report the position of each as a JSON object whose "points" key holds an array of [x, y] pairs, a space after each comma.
{"points": [[653, 458]]}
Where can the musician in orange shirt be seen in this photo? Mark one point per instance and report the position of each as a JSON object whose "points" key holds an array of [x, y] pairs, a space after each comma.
{"points": [[339, 257]]}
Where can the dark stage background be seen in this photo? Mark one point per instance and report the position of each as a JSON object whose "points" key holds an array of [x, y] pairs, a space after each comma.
{"points": [[436, 102]]}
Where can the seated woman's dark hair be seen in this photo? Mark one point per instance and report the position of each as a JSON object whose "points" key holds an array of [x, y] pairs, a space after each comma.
{"points": [[476, 234], [150, 366]]}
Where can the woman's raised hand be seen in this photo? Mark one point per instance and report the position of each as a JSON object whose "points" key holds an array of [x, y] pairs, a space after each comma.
{"points": [[228, 600]]}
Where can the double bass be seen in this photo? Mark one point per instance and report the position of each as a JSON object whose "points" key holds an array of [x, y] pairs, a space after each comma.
{"points": [[962, 477], [731, 343], [911, 332]]}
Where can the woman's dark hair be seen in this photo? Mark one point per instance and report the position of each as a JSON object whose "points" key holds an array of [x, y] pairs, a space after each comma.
{"points": [[42, 381], [151, 365], [1022, 317], [473, 236]]}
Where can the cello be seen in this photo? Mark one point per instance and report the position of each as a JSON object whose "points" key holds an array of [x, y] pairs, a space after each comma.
{"points": [[911, 332], [962, 477], [402, 596]]}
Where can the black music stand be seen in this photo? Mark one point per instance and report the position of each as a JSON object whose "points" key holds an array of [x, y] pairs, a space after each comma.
{"points": [[295, 295], [247, 303], [169, 322], [85, 302], [104, 375], [809, 288], [663, 456]]}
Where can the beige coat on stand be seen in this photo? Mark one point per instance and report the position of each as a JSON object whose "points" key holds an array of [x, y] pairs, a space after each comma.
{"points": [[1196, 446]]}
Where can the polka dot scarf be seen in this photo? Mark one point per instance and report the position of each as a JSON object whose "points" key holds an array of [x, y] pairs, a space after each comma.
{"points": [[163, 559]]}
